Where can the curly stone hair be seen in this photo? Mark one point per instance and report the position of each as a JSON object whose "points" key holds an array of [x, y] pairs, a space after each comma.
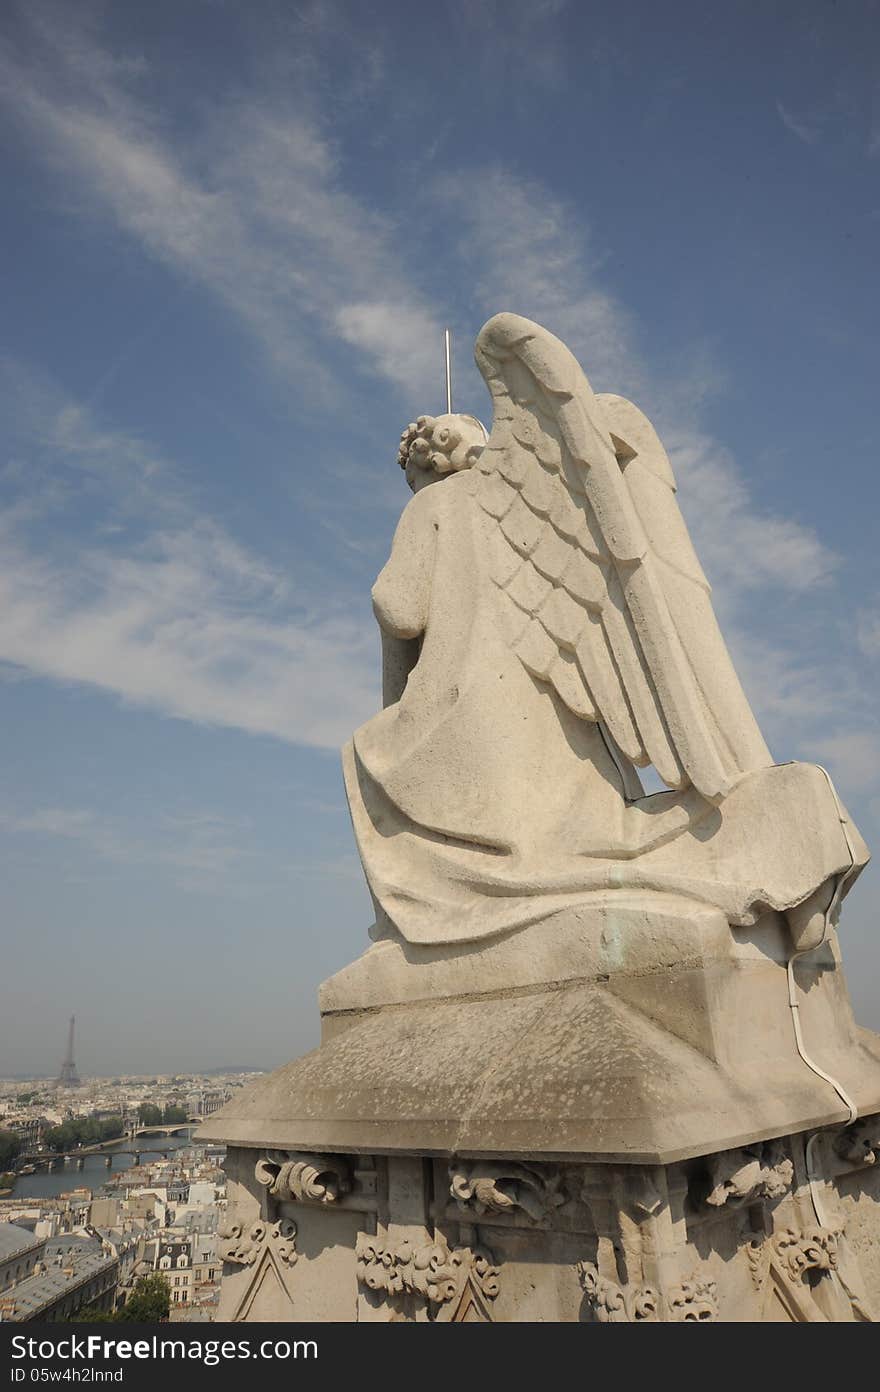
{"points": [[441, 444]]}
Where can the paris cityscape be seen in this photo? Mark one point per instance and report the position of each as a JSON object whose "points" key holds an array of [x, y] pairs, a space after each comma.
{"points": [[106, 1197]]}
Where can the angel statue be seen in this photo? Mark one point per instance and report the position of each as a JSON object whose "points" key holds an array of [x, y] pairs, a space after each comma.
{"points": [[547, 631]]}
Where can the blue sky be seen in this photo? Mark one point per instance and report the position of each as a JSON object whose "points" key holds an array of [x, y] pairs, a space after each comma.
{"points": [[232, 237]]}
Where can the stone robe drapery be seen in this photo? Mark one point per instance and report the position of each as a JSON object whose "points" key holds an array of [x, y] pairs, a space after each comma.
{"points": [[480, 803]]}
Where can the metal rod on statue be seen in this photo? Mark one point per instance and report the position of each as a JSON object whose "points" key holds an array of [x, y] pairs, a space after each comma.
{"points": [[447, 340]]}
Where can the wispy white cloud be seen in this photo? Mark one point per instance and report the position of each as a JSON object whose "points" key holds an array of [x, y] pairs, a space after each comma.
{"points": [[805, 130], [811, 704], [202, 852], [868, 631], [742, 547], [852, 757], [204, 846], [164, 608], [527, 253], [251, 209], [55, 447], [801, 693], [192, 625], [401, 339], [524, 37]]}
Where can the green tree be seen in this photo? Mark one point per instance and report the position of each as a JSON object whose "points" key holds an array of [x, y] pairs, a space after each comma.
{"points": [[10, 1146], [90, 1314], [86, 1131], [149, 1114], [174, 1113], [149, 1302]]}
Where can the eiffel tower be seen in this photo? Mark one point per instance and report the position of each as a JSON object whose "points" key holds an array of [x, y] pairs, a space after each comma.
{"points": [[68, 1077]]}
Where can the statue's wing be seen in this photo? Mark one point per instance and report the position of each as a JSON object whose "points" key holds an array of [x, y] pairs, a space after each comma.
{"points": [[600, 590]]}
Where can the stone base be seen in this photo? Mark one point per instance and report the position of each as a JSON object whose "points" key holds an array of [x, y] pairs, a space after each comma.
{"points": [[742, 1235], [602, 1116]]}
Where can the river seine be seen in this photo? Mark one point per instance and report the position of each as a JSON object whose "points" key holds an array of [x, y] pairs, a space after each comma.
{"points": [[43, 1185]]}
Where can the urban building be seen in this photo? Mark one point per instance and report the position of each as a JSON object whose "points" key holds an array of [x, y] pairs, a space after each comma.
{"points": [[72, 1275], [20, 1251]]}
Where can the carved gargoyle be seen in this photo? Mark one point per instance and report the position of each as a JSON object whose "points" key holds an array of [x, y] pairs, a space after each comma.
{"points": [[289, 1175], [485, 1186]]}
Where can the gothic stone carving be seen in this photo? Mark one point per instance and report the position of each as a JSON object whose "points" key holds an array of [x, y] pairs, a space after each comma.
{"points": [[244, 1248], [860, 1144], [740, 1177], [794, 1254], [786, 1262], [610, 1304], [694, 1299], [435, 1272], [288, 1175], [482, 1186], [813, 1250]]}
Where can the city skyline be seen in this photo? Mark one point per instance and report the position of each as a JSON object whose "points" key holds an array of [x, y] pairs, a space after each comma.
{"points": [[56, 1079], [238, 234]]}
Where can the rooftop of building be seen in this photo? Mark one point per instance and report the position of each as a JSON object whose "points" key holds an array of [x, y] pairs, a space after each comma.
{"points": [[66, 1243], [15, 1240], [25, 1300]]}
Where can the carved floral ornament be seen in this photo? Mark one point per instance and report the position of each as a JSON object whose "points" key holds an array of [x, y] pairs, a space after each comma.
{"points": [[482, 1186], [692, 1301], [293, 1176], [243, 1245], [795, 1254], [610, 1304], [435, 1272]]}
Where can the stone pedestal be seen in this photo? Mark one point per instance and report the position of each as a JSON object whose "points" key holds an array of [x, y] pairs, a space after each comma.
{"points": [[604, 1116]]}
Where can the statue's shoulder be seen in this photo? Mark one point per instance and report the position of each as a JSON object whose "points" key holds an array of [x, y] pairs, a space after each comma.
{"points": [[437, 502]]}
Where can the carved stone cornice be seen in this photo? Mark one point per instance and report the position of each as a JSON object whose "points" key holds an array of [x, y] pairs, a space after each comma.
{"points": [[486, 1186], [289, 1175], [739, 1177], [243, 1246], [611, 1304], [435, 1272]]}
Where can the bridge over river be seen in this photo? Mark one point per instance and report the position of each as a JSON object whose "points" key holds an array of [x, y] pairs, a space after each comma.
{"points": [[56, 1174], [120, 1145]]}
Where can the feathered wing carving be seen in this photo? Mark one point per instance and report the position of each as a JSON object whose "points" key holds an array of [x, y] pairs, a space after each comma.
{"points": [[600, 591]]}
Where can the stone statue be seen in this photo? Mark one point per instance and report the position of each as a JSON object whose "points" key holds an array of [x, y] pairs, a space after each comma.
{"points": [[599, 1063], [547, 630]]}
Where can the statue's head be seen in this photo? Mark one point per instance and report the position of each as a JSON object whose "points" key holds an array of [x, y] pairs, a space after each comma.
{"points": [[438, 445]]}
